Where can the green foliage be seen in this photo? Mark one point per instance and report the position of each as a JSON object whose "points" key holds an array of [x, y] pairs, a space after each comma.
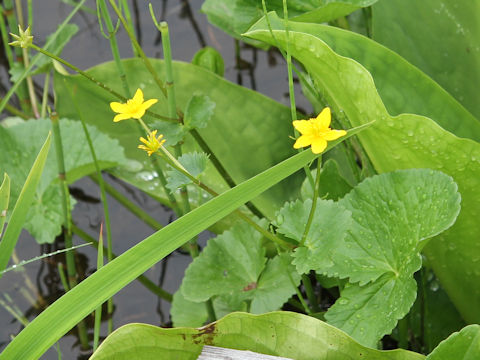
{"points": [[22, 204], [4, 200], [195, 163], [236, 16], [210, 59], [463, 345], [332, 184], [379, 251], [199, 111], [226, 138], [96, 289], [234, 265], [402, 142], [282, 334], [440, 37], [20, 144]]}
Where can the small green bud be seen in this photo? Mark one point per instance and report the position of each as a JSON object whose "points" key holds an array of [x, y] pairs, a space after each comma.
{"points": [[24, 39]]}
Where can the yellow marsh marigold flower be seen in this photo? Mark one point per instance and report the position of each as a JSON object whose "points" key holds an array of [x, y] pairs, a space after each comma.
{"points": [[134, 108], [316, 132], [152, 143]]}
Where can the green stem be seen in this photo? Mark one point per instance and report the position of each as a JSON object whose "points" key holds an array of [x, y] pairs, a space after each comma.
{"points": [[312, 299], [114, 46], [138, 48], [14, 111], [128, 18], [103, 196], [142, 279], [98, 310], [92, 79], [21, 88], [168, 157], [128, 204], [46, 85], [4, 32], [13, 89], [314, 202], [70, 255], [211, 311], [403, 333], [163, 182]]}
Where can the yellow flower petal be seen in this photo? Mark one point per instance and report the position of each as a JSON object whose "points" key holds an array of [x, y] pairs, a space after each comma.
{"points": [[121, 117], [134, 108], [118, 107], [324, 118], [302, 141], [318, 145], [303, 126], [334, 134], [138, 97], [149, 103]]}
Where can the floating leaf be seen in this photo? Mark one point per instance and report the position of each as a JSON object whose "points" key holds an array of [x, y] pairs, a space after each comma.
{"points": [[195, 163], [199, 111], [282, 334]]}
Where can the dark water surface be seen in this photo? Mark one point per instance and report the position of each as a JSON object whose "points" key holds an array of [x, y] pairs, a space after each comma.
{"points": [[29, 290]]}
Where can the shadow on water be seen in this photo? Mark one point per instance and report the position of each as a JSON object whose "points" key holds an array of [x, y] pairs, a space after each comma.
{"points": [[29, 291]]}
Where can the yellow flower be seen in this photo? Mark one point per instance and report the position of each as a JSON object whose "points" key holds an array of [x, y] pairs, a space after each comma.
{"points": [[316, 132], [152, 143], [134, 108]]}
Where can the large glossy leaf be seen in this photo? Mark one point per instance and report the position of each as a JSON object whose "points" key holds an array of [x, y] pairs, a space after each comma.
{"points": [[402, 142], [403, 88], [462, 345], [236, 16], [67, 311], [438, 36], [19, 146], [282, 334], [244, 123]]}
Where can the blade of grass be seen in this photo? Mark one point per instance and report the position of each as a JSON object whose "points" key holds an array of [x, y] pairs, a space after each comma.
{"points": [[22, 206], [62, 315], [98, 311]]}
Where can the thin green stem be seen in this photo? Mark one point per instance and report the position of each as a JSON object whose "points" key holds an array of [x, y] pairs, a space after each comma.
{"points": [[14, 111], [46, 86], [4, 32], [31, 91], [128, 18], [314, 201], [98, 310], [70, 255], [92, 79], [30, 14], [130, 205], [138, 48], [312, 299], [20, 87], [114, 46], [63, 278], [103, 196], [142, 279], [403, 333], [14, 88]]}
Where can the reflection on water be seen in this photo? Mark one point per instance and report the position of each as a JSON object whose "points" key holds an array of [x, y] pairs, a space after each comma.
{"points": [[27, 292]]}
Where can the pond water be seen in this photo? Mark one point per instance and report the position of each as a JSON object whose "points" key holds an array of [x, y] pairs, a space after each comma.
{"points": [[28, 291]]}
